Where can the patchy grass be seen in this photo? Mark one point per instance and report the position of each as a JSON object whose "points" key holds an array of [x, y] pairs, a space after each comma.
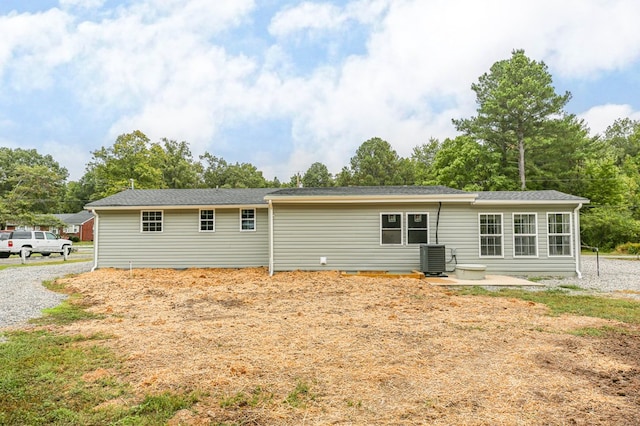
{"points": [[300, 396], [560, 302], [47, 378], [51, 262]]}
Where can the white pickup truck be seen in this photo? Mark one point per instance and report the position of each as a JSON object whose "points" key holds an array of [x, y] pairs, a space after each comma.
{"points": [[24, 243]]}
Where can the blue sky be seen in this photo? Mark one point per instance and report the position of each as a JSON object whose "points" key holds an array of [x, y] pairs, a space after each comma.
{"points": [[282, 84]]}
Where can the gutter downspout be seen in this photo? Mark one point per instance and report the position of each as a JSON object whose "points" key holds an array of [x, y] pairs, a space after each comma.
{"points": [[578, 244], [96, 227], [270, 238]]}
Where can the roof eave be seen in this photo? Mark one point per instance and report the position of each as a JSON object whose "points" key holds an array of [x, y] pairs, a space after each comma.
{"points": [[355, 199], [529, 202], [179, 207]]}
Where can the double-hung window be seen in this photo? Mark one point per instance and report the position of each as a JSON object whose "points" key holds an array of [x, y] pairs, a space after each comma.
{"points": [[525, 235], [207, 220], [151, 221], [417, 228], [391, 228], [247, 219], [559, 234], [491, 238]]}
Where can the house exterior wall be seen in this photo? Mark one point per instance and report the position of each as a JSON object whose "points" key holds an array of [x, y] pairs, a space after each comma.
{"points": [[459, 229], [349, 237], [181, 244], [86, 230]]}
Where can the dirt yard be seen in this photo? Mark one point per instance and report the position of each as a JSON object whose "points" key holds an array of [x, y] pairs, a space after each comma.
{"points": [[319, 348]]}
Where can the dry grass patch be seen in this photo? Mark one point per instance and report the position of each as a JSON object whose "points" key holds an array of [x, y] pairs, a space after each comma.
{"points": [[320, 348]]}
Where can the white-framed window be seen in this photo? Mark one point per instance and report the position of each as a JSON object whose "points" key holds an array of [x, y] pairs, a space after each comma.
{"points": [[391, 228], [151, 221], [491, 234], [417, 228], [559, 226], [207, 220], [525, 235], [247, 219]]}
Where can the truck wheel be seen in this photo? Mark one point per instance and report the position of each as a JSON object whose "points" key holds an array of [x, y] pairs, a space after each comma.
{"points": [[45, 254], [25, 252], [4, 255]]}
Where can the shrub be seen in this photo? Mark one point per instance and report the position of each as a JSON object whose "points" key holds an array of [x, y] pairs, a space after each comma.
{"points": [[628, 248]]}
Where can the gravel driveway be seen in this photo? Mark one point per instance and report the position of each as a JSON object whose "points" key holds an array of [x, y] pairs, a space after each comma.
{"points": [[621, 276], [23, 297]]}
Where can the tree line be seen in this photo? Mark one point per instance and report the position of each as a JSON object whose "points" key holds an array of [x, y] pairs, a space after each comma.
{"points": [[521, 138]]}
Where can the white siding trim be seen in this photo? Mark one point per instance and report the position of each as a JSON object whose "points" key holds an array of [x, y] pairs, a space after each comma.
{"points": [[142, 212], [501, 256], [401, 216], [254, 220], [513, 227], [570, 235], [200, 221], [427, 228]]}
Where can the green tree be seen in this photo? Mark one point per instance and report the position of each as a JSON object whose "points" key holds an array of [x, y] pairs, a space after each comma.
{"points": [[463, 163], [317, 176], [376, 163], [129, 160], [607, 226], [220, 174], [179, 170], [345, 177], [31, 185], [422, 158], [516, 102], [623, 136]]}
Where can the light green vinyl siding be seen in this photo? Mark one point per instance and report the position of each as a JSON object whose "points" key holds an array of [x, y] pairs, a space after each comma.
{"points": [[181, 244], [349, 237], [459, 230]]}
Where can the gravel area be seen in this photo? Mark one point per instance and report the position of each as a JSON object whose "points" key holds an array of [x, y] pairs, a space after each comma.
{"points": [[620, 276], [22, 295]]}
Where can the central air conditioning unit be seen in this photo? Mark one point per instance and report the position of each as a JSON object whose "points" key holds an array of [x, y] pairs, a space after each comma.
{"points": [[432, 260]]}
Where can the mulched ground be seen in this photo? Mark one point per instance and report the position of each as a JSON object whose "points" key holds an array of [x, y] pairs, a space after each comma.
{"points": [[320, 348]]}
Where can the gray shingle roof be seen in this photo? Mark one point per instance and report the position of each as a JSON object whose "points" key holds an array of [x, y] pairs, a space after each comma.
{"points": [[184, 197], [367, 190], [547, 195], [256, 196]]}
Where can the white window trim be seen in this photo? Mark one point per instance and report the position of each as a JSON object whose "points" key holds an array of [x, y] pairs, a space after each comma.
{"points": [[255, 220], [513, 224], [480, 235], [421, 229], [402, 230], [200, 220], [569, 234], [142, 212]]}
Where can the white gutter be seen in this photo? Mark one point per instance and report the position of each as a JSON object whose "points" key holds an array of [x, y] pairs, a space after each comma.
{"points": [[577, 242], [96, 226], [270, 238], [339, 199]]}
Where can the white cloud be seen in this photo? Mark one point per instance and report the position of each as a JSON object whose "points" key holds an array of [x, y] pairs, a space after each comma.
{"points": [[84, 4], [161, 66], [602, 116], [422, 58], [32, 45], [310, 16]]}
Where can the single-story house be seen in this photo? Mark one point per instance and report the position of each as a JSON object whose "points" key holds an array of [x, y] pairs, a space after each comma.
{"points": [[77, 224], [339, 228]]}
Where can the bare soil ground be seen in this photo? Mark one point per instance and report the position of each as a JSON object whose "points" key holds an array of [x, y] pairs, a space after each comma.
{"points": [[320, 348]]}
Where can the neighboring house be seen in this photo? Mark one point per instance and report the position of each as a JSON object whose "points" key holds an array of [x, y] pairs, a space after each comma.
{"points": [[77, 225], [344, 228]]}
